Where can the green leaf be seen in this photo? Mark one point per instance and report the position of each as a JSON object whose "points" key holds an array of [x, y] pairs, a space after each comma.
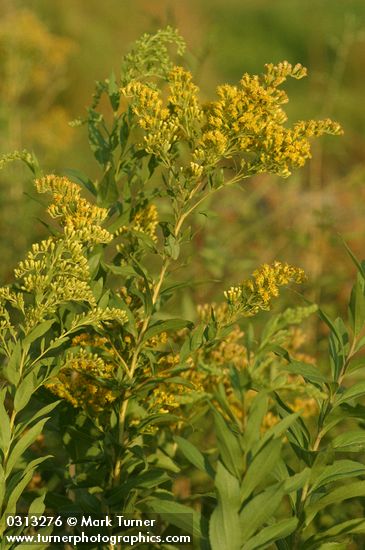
{"points": [[21, 480], [297, 432], [355, 412], [113, 91], [357, 305], [297, 481], [338, 470], [35, 415], [5, 431], [354, 259], [11, 370], [277, 430], [178, 514], [37, 506], [256, 414], [24, 392], [271, 533], [123, 133], [339, 345], [352, 526], [38, 331], [359, 345], [261, 466], [166, 326], [193, 341], [107, 187], [333, 546], [161, 460], [104, 300], [98, 144], [357, 390], [259, 510], [147, 296], [147, 480], [278, 350], [229, 448], [352, 490], [309, 372], [94, 264], [194, 456], [329, 323], [45, 531], [25, 441], [356, 363], [224, 524], [353, 440], [16, 493], [172, 247], [158, 418]]}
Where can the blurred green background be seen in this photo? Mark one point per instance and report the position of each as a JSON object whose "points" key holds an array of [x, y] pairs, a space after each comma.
{"points": [[52, 52]]}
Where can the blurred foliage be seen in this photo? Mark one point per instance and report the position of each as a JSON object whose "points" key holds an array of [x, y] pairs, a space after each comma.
{"points": [[33, 65]]}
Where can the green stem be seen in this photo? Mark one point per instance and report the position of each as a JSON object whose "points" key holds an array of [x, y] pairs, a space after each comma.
{"points": [[166, 263]]}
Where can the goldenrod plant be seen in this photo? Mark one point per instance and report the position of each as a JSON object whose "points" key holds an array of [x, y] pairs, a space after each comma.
{"points": [[110, 399]]}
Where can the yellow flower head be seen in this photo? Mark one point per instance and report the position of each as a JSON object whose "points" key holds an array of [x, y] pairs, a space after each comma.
{"points": [[78, 217], [257, 292]]}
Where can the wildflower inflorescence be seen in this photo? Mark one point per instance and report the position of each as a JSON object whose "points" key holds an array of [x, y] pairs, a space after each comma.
{"points": [[56, 270], [80, 219], [85, 381], [246, 121], [257, 292]]}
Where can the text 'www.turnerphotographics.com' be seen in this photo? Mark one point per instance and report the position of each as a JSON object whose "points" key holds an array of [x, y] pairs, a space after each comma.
{"points": [[85, 529]]}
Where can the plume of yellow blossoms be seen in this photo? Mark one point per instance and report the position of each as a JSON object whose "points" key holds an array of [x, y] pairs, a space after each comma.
{"points": [[80, 218], [165, 125], [85, 381], [257, 292], [56, 270], [245, 122]]}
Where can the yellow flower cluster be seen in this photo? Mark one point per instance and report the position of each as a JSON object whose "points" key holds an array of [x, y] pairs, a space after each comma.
{"points": [[145, 220], [183, 102], [79, 217], [85, 340], [246, 121], [163, 401], [168, 360], [97, 316], [55, 271], [160, 128], [257, 292], [167, 398], [164, 125], [85, 381], [249, 119]]}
